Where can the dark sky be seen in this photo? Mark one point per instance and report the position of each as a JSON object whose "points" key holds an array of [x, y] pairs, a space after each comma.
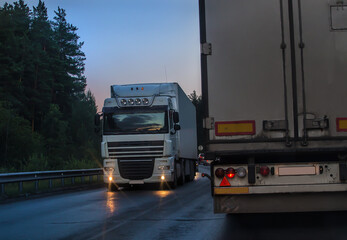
{"points": [[135, 41]]}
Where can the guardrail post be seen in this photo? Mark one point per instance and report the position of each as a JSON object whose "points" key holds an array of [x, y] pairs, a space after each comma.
{"points": [[20, 187], [82, 179], [3, 189], [50, 183], [90, 178], [73, 180], [62, 182], [98, 178], [36, 185]]}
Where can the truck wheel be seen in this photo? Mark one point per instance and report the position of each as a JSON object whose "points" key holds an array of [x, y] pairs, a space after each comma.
{"points": [[112, 187], [182, 177], [173, 185]]}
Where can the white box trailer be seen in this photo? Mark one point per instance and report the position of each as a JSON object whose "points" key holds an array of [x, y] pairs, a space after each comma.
{"points": [[149, 135], [274, 86]]}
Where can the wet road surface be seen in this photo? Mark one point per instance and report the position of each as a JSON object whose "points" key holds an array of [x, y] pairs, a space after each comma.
{"points": [[184, 213]]}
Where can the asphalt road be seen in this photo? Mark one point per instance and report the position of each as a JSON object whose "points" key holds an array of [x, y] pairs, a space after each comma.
{"points": [[184, 213]]}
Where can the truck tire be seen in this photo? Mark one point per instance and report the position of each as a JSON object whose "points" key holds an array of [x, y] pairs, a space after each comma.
{"points": [[182, 177], [112, 187], [173, 185]]}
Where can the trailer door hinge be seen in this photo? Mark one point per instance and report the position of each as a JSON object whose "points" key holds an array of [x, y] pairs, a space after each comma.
{"points": [[206, 48], [208, 123]]}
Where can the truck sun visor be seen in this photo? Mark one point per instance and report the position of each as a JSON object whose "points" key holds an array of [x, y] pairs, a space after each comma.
{"points": [[109, 109]]}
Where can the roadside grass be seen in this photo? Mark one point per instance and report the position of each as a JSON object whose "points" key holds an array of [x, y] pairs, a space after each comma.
{"points": [[12, 190]]}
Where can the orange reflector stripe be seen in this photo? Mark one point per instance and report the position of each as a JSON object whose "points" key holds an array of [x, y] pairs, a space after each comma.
{"points": [[235, 128], [341, 124], [225, 183], [234, 190]]}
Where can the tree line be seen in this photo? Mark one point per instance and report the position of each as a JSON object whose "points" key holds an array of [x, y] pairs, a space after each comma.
{"points": [[46, 116], [197, 101]]}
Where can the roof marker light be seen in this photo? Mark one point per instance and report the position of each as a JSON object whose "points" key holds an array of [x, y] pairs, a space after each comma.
{"points": [[131, 101], [145, 101], [123, 102], [137, 101]]}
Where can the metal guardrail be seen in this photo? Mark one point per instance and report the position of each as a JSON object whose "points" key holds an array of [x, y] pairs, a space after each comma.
{"points": [[47, 175]]}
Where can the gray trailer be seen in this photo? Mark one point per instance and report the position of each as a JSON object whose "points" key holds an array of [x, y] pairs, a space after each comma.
{"points": [[274, 87]]}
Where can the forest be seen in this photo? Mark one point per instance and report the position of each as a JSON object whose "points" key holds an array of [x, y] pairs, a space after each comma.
{"points": [[46, 114]]}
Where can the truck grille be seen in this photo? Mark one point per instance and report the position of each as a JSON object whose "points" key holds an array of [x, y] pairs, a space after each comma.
{"points": [[136, 169], [139, 149]]}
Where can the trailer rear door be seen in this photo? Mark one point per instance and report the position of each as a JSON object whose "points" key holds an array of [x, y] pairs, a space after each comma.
{"points": [[321, 58], [273, 71]]}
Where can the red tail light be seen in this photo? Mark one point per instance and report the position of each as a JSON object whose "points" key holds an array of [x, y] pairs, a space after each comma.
{"points": [[230, 172], [219, 173], [264, 170]]}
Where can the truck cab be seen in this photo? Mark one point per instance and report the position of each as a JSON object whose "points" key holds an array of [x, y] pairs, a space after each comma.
{"points": [[141, 136]]}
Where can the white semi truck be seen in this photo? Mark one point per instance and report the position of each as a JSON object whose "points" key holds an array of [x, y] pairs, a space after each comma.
{"points": [[274, 87], [148, 135]]}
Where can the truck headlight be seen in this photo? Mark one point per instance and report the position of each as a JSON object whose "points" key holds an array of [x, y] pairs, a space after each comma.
{"points": [[164, 168]]}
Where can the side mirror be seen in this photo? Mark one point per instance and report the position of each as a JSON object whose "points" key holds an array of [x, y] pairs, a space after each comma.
{"points": [[177, 127], [176, 117], [97, 120]]}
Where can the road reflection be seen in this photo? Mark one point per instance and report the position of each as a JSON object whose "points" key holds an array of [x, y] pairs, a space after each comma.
{"points": [[111, 201], [163, 193]]}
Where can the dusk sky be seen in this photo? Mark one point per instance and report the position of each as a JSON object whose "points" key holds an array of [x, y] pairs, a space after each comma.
{"points": [[135, 41]]}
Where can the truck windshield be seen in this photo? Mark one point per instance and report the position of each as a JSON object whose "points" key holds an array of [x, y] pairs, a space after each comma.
{"points": [[137, 121]]}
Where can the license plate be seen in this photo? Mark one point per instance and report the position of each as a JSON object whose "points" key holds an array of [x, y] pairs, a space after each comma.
{"points": [[136, 182], [295, 171]]}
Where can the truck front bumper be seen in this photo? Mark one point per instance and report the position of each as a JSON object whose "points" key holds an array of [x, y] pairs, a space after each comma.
{"points": [[163, 171], [155, 178]]}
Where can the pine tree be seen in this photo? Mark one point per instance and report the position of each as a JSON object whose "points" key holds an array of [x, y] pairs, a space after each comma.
{"points": [[14, 42], [39, 83], [55, 132], [197, 101], [69, 79], [46, 118]]}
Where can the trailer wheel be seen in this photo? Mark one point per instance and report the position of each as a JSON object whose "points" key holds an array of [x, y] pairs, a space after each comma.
{"points": [[193, 170], [190, 176]]}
